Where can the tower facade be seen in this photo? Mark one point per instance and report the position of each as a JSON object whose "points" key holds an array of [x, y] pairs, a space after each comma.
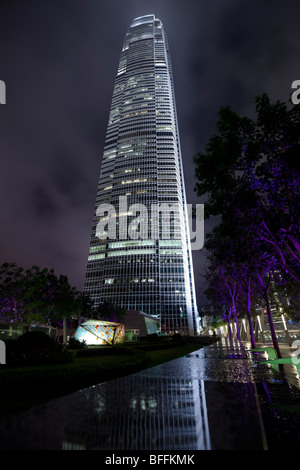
{"points": [[140, 255]]}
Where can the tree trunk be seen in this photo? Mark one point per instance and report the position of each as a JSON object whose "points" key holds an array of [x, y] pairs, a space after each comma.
{"points": [[265, 290], [229, 329], [249, 318], [64, 330], [270, 318], [237, 324], [233, 309]]}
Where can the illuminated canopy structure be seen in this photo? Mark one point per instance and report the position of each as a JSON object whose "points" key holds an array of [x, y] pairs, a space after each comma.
{"points": [[97, 332]]}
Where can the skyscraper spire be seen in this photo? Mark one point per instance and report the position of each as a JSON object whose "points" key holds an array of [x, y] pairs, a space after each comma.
{"points": [[140, 256]]}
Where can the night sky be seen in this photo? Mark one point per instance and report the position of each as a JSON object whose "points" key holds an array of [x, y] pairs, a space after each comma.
{"points": [[59, 59]]}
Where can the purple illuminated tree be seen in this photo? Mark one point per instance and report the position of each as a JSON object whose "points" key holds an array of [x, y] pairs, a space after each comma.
{"points": [[277, 181], [239, 269], [229, 254], [224, 292], [11, 292], [251, 170], [250, 175]]}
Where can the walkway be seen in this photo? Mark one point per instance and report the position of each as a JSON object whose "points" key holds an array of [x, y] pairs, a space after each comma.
{"points": [[216, 398]]}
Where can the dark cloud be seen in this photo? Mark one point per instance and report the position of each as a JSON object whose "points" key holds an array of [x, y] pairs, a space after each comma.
{"points": [[43, 205], [59, 59]]}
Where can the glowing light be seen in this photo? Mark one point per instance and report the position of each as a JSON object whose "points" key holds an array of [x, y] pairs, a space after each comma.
{"points": [[283, 321], [260, 328], [97, 332]]}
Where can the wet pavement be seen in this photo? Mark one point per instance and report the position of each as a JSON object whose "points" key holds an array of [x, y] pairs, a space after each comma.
{"points": [[217, 398]]}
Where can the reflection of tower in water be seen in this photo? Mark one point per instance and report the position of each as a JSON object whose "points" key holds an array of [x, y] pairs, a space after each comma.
{"points": [[141, 413]]}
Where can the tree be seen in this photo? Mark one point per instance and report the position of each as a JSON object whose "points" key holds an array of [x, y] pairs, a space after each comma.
{"points": [[277, 180], [109, 312], [11, 292], [250, 174], [251, 170], [37, 295], [49, 298], [226, 252]]}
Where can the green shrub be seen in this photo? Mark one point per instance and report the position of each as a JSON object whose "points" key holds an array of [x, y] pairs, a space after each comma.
{"points": [[75, 343], [105, 351], [36, 348], [34, 340], [177, 338], [152, 338], [12, 351]]}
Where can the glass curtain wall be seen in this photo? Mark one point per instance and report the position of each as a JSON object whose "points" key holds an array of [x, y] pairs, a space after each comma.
{"points": [[141, 267]]}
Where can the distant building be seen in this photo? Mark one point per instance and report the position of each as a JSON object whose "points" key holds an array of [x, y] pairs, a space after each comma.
{"points": [[141, 322], [10, 330]]}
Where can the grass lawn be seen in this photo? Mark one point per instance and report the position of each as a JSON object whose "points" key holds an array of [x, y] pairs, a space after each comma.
{"points": [[26, 386]]}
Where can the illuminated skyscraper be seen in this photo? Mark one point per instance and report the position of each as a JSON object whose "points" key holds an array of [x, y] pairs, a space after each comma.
{"points": [[142, 266]]}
